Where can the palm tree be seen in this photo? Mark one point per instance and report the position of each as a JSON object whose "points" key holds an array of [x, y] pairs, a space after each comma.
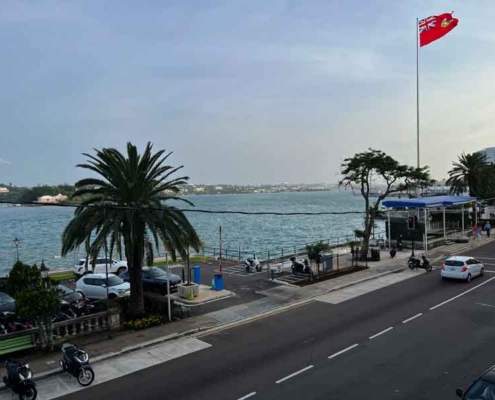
{"points": [[127, 204], [468, 173], [315, 252]]}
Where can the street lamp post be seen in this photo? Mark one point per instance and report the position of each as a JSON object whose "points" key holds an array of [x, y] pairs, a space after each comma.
{"points": [[17, 242], [44, 273]]}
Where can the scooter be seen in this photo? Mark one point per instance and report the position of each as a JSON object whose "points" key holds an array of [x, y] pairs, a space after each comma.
{"points": [[75, 362], [301, 268], [252, 264], [18, 379], [415, 262]]}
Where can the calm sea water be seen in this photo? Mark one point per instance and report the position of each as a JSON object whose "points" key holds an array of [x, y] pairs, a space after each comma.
{"points": [[40, 228]]}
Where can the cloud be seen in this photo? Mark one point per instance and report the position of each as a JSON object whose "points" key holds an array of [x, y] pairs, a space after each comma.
{"points": [[2, 161]]}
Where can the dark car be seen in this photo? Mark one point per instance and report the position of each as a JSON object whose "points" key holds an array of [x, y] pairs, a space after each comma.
{"points": [[481, 388], [69, 295], [7, 303], [75, 301], [155, 280]]}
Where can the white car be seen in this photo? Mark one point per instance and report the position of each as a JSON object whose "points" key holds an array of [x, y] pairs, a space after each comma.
{"points": [[114, 267], [461, 267], [94, 286]]}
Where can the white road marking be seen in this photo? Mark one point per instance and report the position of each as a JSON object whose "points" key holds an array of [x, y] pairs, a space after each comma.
{"points": [[410, 319], [343, 351], [486, 305], [381, 333], [247, 396], [490, 272], [462, 294], [295, 374], [488, 263], [486, 258]]}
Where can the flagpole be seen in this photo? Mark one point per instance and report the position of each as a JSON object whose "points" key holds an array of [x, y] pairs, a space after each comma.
{"points": [[417, 89]]}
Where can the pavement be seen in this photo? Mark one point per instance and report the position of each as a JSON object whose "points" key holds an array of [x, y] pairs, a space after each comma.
{"points": [[321, 318]]}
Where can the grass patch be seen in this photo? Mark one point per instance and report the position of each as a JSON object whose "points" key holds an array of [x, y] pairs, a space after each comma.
{"points": [[57, 278], [192, 259]]}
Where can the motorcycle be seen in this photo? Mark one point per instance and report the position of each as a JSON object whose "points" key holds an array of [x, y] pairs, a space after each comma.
{"points": [[252, 264], [75, 362], [415, 262], [18, 380], [301, 268]]}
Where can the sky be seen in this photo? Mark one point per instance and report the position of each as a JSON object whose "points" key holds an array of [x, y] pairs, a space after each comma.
{"points": [[242, 92]]}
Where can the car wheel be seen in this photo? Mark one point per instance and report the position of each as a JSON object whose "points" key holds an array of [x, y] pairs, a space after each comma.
{"points": [[482, 272], [120, 270], [112, 296], [81, 293], [468, 279]]}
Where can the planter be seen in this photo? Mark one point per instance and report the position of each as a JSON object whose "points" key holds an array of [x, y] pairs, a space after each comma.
{"points": [[188, 291]]}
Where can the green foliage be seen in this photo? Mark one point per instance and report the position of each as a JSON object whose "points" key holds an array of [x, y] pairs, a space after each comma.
{"points": [[143, 182], [372, 164], [142, 323], [34, 193], [23, 277], [359, 233], [37, 304], [472, 172], [315, 252], [155, 303]]}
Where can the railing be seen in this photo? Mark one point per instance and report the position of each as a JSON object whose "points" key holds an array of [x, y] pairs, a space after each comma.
{"points": [[82, 325], [280, 252]]}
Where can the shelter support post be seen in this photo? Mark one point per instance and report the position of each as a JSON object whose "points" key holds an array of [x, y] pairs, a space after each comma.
{"points": [[444, 229], [389, 238], [462, 219], [426, 230]]}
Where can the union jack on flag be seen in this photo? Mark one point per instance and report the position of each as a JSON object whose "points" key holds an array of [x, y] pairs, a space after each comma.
{"points": [[427, 23]]}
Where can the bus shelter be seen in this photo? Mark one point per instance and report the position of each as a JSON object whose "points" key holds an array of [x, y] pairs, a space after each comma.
{"points": [[426, 203]]}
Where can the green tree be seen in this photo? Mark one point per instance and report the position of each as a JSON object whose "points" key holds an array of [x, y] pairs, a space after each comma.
{"points": [[33, 300], [375, 165], [315, 252], [128, 204], [471, 172]]}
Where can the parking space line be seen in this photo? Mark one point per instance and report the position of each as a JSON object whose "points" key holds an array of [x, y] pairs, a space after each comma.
{"points": [[462, 294], [343, 351], [381, 333], [489, 271], [486, 305], [410, 319], [486, 258], [247, 396], [295, 374], [488, 263]]}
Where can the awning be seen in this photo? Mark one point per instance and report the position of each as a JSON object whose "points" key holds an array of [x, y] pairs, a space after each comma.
{"points": [[428, 202]]}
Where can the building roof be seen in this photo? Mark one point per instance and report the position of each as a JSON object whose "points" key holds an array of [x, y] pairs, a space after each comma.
{"points": [[424, 202]]}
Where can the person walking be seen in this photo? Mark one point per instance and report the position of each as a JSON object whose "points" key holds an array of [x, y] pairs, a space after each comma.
{"points": [[479, 232], [488, 228], [474, 232]]}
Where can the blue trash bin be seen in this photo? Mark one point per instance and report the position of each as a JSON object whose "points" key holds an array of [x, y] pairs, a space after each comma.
{"points": [[218, 282], [197, 274]]}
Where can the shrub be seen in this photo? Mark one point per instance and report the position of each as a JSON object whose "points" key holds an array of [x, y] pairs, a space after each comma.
{"points": [[155, 303], [143, 323]]}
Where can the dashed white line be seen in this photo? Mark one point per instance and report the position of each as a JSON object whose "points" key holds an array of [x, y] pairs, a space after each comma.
{"points": [[410, 319], [486, 305], [295, 374], [382, 332], [247, 396], [343, 351], [462, 294]]}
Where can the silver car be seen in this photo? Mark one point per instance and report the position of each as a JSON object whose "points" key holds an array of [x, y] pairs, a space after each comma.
{"points": [[462, 267]]}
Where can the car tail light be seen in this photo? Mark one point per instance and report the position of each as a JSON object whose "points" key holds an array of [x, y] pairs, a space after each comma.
{"points": [[464, 268]]}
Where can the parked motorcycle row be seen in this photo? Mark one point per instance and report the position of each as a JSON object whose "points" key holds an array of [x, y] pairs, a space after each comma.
{"points": [[75, 361]]}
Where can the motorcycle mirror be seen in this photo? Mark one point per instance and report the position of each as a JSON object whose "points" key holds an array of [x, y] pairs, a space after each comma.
{"points": [[459, 392], [103, 285]]}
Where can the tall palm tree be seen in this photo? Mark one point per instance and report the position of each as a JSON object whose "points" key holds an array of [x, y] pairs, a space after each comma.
{"points": [[468, 173], [127, 204]]}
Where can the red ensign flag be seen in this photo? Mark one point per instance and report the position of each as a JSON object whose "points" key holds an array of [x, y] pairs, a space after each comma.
{"points": [[435, 27]]}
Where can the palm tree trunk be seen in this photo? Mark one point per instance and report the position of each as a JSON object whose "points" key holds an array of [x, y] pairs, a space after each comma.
{"points": [[136, 307]]}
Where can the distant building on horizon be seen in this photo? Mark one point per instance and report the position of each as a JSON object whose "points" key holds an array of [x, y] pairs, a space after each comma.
{"points": [[52, 199], [489, 153], [4, 190]]}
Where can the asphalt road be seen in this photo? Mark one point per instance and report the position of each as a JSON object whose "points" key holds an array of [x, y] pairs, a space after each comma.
{"points": [[450, 342]]}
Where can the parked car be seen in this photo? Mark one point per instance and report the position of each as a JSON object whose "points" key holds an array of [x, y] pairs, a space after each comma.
{"points": [[7, 303], [94, 286], [462, 267], [155, 280], [114, 266], [481, 388]]}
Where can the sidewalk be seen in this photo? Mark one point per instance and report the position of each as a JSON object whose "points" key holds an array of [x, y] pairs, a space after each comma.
{"points": [[274, 299]]}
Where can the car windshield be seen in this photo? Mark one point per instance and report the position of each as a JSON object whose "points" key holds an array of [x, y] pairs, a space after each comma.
{"points": [[114, 281], [157, 272], [5, 298], [454, 263], [481, 390], [64, 289], [82, 262]]}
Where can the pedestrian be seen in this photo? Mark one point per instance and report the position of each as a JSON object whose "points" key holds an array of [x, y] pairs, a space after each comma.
{"points": [[479, 232], [474, 232], [488, 228]]}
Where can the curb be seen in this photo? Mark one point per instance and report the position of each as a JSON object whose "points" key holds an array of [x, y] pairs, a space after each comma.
{"points": [[225, 325]]}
